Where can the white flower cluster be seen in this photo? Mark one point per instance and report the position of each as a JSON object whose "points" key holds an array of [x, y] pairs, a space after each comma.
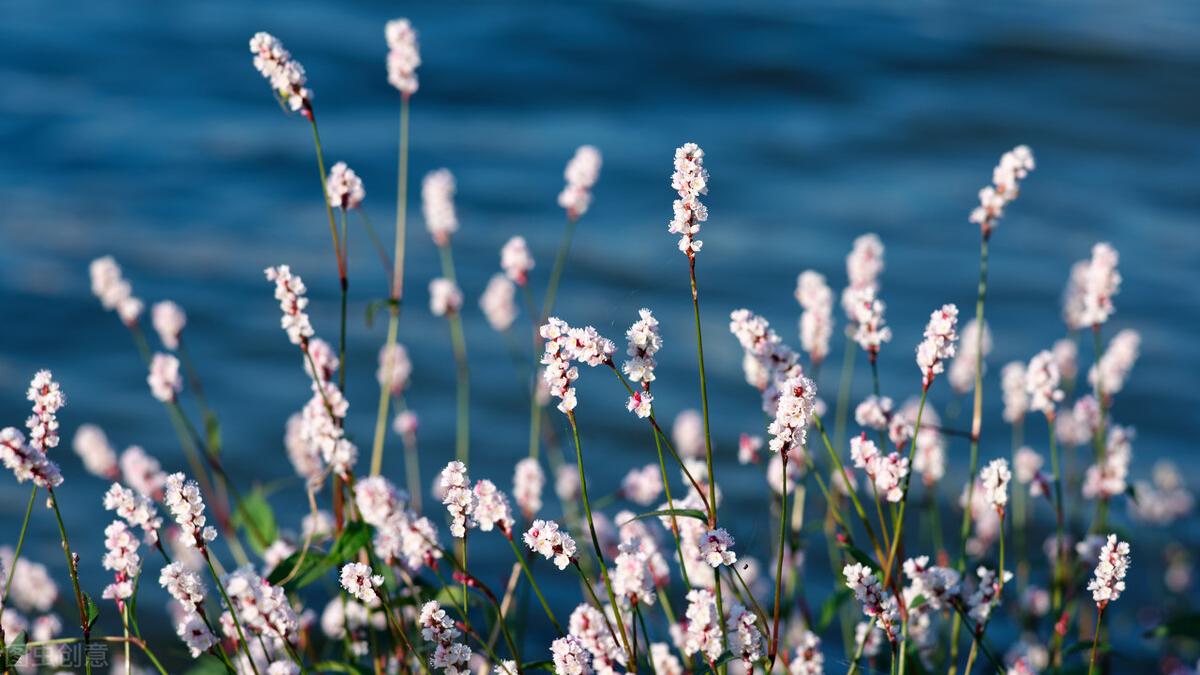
{"points": [[289, 291], [516, 260], [322, 431], [642, 485], [135, 509], [994, 479], [449, 655], [361, 581], [1014, 166], [1090, 303], [142, 472], [564, 345], [1109, 476], [789, 429], [939, 343], [195, 634], [864, 264], [1027, 467], [94, 450], [767, 362], [491, 508], [644, 342], [286, 74], [546, 539], [182, 584], [877, 603], [1042, 383], [1165, 499], [395, 368], [690, 180], [344, 188], [1110, 372], [458, 498], [528, 482], [122, 559], [168, 320], [401, 536], [591, 627], [498, 303], [403, 56], [32, 587], [702, 632], [986, 596], [716, 547], [570, 657], [164, 379], [745, 639], [581, 174], [445, 297], [866, 313], [816, 321], [113, 290], [182, 497], [632, 578], [1012, 384], [875, 412], [437, 204], [47, 399], [807, 658], [262, 607], [887, 472], [27, 462], [962, 368]]}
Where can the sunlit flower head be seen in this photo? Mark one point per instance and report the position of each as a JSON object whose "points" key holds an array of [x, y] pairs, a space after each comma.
{"points": [[403, 57]]}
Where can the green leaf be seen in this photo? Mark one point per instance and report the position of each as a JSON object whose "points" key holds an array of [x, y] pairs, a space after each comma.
{"points": [[830, 608], [317, 563], [335, 667], [917, 602], [255, 517], [93, 611], [1180, 626], [16, 649], [538, 665], [861, 557], [1131, 492], [681, 513], [212, 432]]}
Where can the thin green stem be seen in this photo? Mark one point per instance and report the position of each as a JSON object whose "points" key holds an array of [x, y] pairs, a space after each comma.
{"points": [[84, 624], [587, 507], [533, 582], [232, 610], [898, 534], [385, 393], [773, 649], [344, 283], [1095, 642], [12, 568], [560, 262]]}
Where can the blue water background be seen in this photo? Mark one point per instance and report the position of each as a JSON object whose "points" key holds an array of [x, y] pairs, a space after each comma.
{"points": [[140, 129]]}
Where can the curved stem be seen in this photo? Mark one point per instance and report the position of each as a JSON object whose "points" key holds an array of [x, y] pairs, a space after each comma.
{"points": [[232, 610], [13, 567], [536, 589]]}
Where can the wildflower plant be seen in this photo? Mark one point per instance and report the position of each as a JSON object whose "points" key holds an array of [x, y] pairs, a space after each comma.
{"points": [[672, 589]]}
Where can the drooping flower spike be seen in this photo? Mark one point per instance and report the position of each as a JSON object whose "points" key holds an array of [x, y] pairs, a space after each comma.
{"points": [[285, 74]]}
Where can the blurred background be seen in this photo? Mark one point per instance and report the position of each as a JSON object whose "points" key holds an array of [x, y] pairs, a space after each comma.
{"points": [[141, 130]]}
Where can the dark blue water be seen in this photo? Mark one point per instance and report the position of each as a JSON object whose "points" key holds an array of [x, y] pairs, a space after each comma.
{"points": [[141, 130]]}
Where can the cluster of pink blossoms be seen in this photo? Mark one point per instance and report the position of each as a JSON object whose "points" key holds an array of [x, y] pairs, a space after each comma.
{"points": [[690, 180], [864, 264], [168, 320], [886, 472], [816, 321], [344, 188], [182, 497], [878, 604], [403, 57], [290, 292], [1042, 383], [1109, 581], [1014, 166], [789, 429], [449, 654], [361, 581], [565, 344], [644, 342], [113, 291], [28, 460], [445, 297], [164, 379], [581, 175], [402, 536], [546, 539], [498, 303], [437, 205], [939, 343], [516, 260], [122, 559], [1109, 373], [285, 74], [994, 479]]}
